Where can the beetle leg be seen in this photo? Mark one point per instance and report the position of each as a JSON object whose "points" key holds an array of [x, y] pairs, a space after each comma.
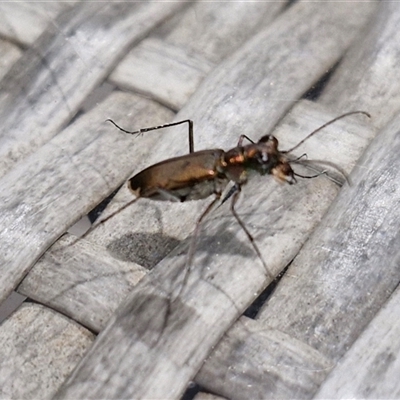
{"points": [[192, 245], [235, 197], [153, 128], [241, 138], [235, 188], [103, 220]]}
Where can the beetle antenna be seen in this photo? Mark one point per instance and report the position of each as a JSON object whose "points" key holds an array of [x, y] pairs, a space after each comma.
{"points": [[324, 162], [324, 172], [324, 126]]}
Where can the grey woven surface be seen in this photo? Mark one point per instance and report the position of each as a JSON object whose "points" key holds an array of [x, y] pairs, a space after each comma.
{"points": [[329, 327]]}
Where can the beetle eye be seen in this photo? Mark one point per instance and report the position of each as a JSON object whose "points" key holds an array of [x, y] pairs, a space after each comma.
{"points": [[265, 139], [264, 156]]}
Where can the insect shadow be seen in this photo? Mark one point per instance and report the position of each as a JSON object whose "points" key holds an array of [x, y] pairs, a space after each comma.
{"points": [[144, 248], [149, 248], [200, 174]]}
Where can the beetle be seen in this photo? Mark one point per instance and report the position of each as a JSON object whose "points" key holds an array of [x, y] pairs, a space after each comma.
{"points": [[200, 174]]}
